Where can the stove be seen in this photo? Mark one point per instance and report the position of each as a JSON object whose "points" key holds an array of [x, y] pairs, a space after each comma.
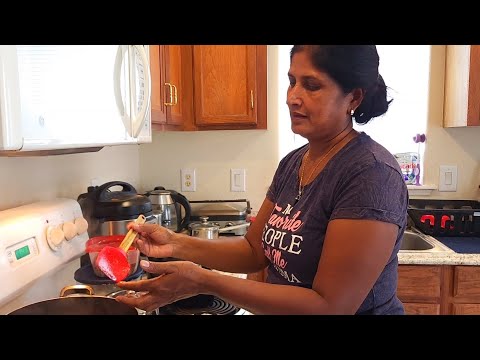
{"points": [[215, 307], [41, 249]]}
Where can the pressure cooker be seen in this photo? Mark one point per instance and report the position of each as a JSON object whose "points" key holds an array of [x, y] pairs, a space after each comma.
{"points": [[109, 208]]}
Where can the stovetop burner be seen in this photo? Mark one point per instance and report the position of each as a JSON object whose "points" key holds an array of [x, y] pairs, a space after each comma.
{"points": [[216, 307]]}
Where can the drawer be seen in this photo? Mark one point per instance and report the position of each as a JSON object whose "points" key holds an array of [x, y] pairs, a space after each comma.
{"points": [[419, 282], [466, 283], [421, 309]]}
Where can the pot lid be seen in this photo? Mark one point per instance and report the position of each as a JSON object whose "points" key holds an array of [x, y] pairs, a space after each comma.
{"points": [[120, 206], [110, 204], [203, 225]]}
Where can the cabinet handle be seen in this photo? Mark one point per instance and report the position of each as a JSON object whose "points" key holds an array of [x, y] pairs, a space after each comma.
{"points": [[171, 95], [251, 98], [175, 95]]}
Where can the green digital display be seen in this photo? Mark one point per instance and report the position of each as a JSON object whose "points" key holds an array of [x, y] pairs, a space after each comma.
{"points": [[22, 252]]}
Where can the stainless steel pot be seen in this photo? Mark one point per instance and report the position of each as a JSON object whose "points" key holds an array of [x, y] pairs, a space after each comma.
{"points": [[206, 230], [77, 304]]}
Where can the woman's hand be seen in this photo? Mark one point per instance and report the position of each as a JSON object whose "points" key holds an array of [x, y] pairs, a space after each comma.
{"points": [[177, 280], [153, 240]]}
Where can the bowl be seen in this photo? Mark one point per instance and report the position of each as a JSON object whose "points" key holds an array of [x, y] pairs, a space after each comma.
{"points": [[94, 245]]}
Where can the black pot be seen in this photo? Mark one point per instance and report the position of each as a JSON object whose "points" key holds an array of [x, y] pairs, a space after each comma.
{"points": [[77, 305]]}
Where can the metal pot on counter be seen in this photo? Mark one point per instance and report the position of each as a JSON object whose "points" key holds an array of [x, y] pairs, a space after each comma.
{"points": [[209, 230], [81, 302]]}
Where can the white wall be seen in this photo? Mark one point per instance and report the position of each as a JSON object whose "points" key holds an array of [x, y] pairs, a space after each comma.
{"points": [[29, 179]]}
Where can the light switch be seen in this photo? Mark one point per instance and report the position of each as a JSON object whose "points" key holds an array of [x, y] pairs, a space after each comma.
{"points": [[237, 180], [448, 178]]}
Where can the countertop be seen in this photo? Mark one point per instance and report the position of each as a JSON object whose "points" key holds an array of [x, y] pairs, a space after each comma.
{"points": [[465, 251]]}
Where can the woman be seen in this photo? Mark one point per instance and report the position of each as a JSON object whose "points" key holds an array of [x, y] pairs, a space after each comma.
{"points": [[330, 227]]}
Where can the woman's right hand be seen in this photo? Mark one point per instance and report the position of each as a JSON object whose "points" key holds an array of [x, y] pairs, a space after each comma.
{"points": [[153, 240]]}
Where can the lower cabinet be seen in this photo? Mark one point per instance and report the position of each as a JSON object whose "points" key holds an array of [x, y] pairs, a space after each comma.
{"points": [[439, 289]]}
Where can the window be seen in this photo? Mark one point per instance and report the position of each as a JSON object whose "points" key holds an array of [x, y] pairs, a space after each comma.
{"points": [[406, 71]]}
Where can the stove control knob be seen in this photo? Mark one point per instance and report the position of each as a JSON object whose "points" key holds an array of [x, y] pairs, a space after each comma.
{"points": [[81, 224], [229, 224], [55, 236], [70, 230]]}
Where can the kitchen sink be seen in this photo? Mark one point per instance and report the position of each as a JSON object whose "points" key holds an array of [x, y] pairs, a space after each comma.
{"points": [[414, 241]]}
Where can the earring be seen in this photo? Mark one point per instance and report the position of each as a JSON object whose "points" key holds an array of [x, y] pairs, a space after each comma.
{"points": [[351, 112]]}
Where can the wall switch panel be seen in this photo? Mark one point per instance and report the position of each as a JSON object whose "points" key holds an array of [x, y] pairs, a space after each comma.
{"points": [[237, 180], [189, 182], [448, 178]]}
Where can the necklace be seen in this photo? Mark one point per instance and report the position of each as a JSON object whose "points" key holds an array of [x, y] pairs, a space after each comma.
{"points": [[307, 155]]}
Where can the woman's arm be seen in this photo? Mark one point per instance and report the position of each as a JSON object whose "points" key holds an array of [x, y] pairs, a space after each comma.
{"points": [[354, 254], [228, 253]]}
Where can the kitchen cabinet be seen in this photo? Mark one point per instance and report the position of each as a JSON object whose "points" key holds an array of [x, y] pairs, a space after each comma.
{"points": [[462, 86], [439, 289], [172, 93], [419, 288], [209, 87]]}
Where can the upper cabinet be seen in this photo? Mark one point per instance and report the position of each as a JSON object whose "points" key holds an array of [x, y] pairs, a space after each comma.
{"points": [[172, 91], [209, 87], [462, 86]]}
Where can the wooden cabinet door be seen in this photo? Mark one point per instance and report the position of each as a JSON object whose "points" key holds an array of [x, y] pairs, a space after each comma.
{"points": [[157, 73], [421, 309], [462, 86], [419, 283], [466, 282], [466, 309], [229, 86], [172, 92]]}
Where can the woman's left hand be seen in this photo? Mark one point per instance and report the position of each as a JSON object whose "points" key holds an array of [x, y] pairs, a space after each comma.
{"points": [[177, 280]]}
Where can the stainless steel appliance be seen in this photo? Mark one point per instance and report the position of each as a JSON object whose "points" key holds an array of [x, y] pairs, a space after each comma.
{"points": [[222, 213], [207, 230], [109, 208], [171, 208]]}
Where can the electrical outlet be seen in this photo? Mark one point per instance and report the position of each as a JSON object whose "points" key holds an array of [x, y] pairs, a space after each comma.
{"points": [[188, 180]]}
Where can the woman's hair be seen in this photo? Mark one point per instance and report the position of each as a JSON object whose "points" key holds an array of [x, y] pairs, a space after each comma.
{"points": [[352, 66]]}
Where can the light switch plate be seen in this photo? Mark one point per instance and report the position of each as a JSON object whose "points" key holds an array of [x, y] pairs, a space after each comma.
{"points": [[237, 180], [448, 178]]}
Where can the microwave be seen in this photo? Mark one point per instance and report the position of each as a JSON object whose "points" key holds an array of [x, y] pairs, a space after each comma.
{"points": [[58, 99]]}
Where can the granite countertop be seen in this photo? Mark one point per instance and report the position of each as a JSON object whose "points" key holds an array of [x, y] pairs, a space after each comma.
{"points": [[464, 251]]}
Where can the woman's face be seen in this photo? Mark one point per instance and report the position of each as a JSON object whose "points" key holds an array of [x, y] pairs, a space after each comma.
{"points": [[318, 107]]}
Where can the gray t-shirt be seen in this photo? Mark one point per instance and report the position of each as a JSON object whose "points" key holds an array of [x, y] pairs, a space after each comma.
{"points": [[362, 181]]}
